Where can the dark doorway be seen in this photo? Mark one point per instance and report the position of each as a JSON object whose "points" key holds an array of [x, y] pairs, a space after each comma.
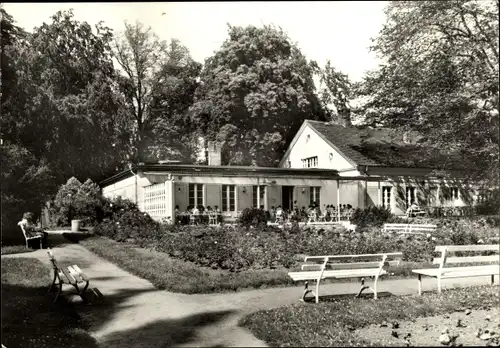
{"points": [[287, 197]]}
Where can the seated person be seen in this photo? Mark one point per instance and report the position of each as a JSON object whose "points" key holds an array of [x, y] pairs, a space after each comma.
{"points": [[31, 229], [272, 213], [279, 212], [195, 211], [216, 209], [209, 209], [413, 207]]}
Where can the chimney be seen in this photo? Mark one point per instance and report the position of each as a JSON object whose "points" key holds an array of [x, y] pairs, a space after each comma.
{"points": [[214, 154]]}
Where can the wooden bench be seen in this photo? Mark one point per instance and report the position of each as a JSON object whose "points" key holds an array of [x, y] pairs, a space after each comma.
{"points": [[342, 266], [415, 212], [411, 229], [26, 238], [71, 275], [448, 257]]}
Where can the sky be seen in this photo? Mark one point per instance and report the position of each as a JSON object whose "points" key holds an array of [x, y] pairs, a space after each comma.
{"points": [[336, 30]]}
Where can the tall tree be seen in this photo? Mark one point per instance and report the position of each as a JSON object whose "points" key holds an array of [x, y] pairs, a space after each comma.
{"points": [[337, 91], [255, 92], [440, 76], [152, 69]]}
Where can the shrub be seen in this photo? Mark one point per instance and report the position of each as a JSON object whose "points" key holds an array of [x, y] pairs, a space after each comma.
{"points": [[372, 216], [253, 217], [127, 223], [80, 201]]}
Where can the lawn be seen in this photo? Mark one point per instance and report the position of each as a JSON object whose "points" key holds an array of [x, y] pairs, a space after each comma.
{"points": [[338, 323], [181, 276], [29, 318], [15, 249]]}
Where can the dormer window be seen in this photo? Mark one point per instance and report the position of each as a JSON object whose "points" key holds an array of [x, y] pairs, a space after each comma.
{"points": [[310, 162]]}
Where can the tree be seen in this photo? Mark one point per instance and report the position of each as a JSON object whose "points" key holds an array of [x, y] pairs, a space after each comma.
{"points": [[64, 107], [153, 69], [255, 92], [338, 91], [440, 77]]}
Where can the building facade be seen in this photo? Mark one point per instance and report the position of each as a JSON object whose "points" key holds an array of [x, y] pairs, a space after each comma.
{"points": [[320, 166]]}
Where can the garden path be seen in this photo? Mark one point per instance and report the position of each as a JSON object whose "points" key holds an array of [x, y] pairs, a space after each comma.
{"points": [[136, 314]]}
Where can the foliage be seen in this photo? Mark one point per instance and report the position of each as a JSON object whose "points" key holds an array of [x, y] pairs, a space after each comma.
{"points": [[371, 216], [25, 184], [253, 217], [491, 205], [124, 221], [338, 91], [333, 323], [75, 200], [157, 86], [254, 94], [29, 318], [440, 77]]}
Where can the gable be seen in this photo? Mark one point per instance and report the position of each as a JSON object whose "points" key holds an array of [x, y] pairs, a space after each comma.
{"points": [[309, 143]]}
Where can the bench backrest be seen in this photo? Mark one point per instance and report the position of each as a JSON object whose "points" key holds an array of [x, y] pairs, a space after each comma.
{"points": [[410, 228], [352, 261], [448, 254]]}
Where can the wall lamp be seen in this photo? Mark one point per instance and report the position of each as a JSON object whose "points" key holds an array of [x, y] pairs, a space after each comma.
{"points": [[244, 189]]}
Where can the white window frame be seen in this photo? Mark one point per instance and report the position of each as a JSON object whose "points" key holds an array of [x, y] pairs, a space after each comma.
{"points": [[195, 191], [310, 162], [155, 200], [455, 194], [314, 195], [410, 197], [262, 192], [227, 188], [387, 197]]}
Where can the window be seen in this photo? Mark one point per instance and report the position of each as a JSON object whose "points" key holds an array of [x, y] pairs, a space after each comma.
{"points": [[310, 162], [314, 195], [155, 203], [228, 198], [261, 196], [386, 196], [195, 194], [411, 196], [454, 193]]}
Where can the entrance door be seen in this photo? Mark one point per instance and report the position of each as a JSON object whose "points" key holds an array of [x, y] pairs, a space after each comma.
{"points": [[287, 197]]}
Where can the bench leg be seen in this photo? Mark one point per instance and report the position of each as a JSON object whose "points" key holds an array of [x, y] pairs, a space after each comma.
{"points": [[82, 293], [363, 287], [53, 283], [59, 289], [492, 279], [439, 285], [375, 288], [420, 285], [306, 291], [317, 290]]}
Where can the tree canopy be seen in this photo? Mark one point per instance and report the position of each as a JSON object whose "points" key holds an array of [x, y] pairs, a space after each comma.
{"points": [[255, 92], [440, 76]]}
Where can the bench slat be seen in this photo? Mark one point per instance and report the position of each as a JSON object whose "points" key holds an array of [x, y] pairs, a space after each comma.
{"points": [[458, 271], [466, 259], [311, 275], [75, 274], [480, 247], [352, 265], [83, 275], [70, 278], [341, 257]]}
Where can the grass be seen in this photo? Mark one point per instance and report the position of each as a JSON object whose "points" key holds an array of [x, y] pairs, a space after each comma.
{"points": [[15, 249], [180, 276], [333, 323], [186, 277], [29, 318]]}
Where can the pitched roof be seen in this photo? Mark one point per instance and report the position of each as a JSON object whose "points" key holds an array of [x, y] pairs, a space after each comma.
{"points": [[384, 147]]}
